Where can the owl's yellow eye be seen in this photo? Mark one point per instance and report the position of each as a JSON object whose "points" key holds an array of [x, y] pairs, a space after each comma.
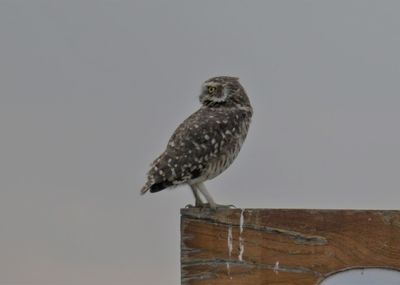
{"points": [[211, 89]]}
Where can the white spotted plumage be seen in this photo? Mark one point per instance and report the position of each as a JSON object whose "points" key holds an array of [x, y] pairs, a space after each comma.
{"points": [[207, 142]]}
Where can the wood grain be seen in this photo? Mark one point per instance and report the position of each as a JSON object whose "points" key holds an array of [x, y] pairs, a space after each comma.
{"points": [[284, 246]]}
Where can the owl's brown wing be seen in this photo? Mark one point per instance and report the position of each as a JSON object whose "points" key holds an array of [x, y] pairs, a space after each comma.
{"points": [[201, 138]]}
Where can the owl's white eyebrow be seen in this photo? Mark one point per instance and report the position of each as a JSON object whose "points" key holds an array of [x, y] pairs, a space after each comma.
{"points": [[214, 84]]}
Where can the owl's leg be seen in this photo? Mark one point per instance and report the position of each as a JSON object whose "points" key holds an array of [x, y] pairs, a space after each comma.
{"points": [[203, 190], [199, 202]]}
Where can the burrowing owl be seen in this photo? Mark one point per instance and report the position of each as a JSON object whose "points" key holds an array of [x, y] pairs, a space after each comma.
{"points": [[207, 142]]}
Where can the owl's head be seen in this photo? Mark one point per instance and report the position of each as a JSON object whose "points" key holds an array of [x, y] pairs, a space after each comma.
{"points": [[223, 91]]}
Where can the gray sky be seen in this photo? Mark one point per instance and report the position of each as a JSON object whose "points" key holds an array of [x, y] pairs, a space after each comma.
{"points": [[90, 92]]}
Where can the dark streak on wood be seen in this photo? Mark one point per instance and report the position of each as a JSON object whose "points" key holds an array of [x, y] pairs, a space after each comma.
{"points": [[285, 246]]}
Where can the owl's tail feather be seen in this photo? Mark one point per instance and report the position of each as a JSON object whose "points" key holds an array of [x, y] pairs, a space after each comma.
{"points": [[144, 189], [156, 187]]}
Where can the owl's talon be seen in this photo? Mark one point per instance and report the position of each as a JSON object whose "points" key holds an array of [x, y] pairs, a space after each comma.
{"points": [[198, 205], [226, 206], [213, 207]]}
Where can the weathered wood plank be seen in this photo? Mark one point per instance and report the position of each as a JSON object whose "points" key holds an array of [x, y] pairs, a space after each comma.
{"points": [[284, 246]]}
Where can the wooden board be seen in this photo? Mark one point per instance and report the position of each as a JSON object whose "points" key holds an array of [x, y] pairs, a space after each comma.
{"points": [[284, 246]]}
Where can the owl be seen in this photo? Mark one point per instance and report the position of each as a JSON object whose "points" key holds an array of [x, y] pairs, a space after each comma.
{"points": [[206, 143]]}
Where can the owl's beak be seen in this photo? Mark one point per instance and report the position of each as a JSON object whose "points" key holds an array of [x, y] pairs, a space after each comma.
{"points": [[202, 97]]}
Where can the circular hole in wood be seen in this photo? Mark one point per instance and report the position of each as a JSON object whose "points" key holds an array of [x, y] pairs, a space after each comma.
{"points": [[366, 276]]}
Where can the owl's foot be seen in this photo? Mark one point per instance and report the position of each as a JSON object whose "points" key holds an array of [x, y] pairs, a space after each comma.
{"points": [[198, 204], [215, 207], [208, 206], [226, 206], [218, 206]]}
